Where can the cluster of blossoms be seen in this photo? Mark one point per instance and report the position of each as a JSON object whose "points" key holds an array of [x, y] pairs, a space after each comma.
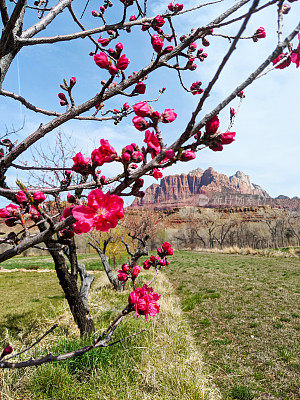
{"points": [[143, 109], [196, 88], [212, 138], [175, 8], [102, 212], [28, 209], [159, 260], [127, 272], [104, 154], [144, 301], [287, 58], [120, 62]]}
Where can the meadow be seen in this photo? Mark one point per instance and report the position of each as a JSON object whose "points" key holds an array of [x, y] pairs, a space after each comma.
{"points": [[228, 329]]}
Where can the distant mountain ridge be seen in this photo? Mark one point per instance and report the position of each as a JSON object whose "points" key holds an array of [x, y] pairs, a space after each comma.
{"points": [[211, 189]]}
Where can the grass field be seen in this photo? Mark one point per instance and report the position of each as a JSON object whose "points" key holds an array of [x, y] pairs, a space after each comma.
{"points": [[239, 312], [91, 261], [161, 363], [244, 311]]}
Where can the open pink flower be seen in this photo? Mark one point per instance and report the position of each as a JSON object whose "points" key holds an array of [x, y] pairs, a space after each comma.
{"points": [[102, 211], [295, 56], [142, 109], [152, 142], [81, 164], [168, 115], [104, 154], [144, 301], [11, 210], [283, 64]]}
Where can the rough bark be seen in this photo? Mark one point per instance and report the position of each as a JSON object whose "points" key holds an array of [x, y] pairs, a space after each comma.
{"points": [[68, 282]]}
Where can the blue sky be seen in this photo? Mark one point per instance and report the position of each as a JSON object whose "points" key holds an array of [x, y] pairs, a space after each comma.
{"points": [[267, 145]]}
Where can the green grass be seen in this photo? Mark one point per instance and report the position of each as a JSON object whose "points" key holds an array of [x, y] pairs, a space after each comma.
{"points": [[245, 315], [161, 363], [91, 261]]}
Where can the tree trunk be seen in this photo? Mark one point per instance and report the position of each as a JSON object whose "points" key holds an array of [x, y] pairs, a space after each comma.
{"points": [[68, 282]]}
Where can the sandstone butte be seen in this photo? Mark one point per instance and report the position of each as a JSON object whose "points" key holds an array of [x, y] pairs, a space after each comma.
{"points": [[210, 189]]}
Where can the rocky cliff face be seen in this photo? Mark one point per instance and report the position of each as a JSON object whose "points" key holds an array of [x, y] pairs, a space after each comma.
{"points": [[175, 190], [207, 188]]}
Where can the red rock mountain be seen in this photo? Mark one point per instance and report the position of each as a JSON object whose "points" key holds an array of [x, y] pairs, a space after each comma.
{"points": [[211, 189]]}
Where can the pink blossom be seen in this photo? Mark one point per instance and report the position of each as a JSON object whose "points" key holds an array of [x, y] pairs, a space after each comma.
{"points": [[11, 210], [146, 264], [156, 173], [187, 155], [159, 21], [125, 267], [227, 137], [168, 49], [125, 106], [144, 301], [104, 154], [153, 145], [62, 96], [283, 64], [7, 350], [21, 196], [170, 154], [71, 198], [142, 109], [119, 46], [81, 164], [140, 123], [193, 46], [33, 213], [140, 88], [122, 62], [122, 276], [39, 197], [137, 156], [168, 115], [126, 157], [232, 112], [157, 43], [260, 33], [135, 272], [80, 226], [101, 60], [295, 56], [132, 18], [103, 42], [196, 88], [112, 69], [212, 125], [102, 211], [167, 248], [216, 147], [95, 14]]}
